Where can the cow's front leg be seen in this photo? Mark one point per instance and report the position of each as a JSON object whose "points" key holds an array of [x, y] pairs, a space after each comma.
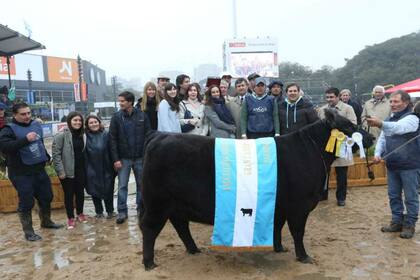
{"points": [[297, 225], [183, 230], [279, 221]]}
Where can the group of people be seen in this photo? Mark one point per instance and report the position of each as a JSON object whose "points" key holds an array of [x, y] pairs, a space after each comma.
{"points": [[87, 157]]}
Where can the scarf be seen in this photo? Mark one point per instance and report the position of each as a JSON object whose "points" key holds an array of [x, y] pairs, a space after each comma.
{"points": [[222, 111]]}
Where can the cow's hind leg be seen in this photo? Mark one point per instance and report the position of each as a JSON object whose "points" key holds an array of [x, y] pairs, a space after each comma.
{"points": [[279, 221], [151, 225], [183, 230], [297, 223]]}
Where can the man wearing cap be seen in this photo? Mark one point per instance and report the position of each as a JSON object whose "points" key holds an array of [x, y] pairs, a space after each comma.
{"points": [[275, 89], [259, 113], [251, 81], [22, 142], [161, 82], [341, 164], [226, 76]]}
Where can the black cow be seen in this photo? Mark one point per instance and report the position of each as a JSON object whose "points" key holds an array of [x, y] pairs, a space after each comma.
{"points": [[179, 183]]}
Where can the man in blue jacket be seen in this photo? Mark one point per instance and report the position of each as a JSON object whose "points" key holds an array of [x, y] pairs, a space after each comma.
{"points": [[127, 131], [402, 162], [26, 156]]}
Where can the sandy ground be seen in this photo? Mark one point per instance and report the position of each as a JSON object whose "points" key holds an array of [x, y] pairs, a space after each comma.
{"points": [[345, 242]]}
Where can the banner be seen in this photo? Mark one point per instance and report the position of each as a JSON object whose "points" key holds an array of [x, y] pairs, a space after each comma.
{"points": [[76, 92], [246, 184], [62, 70]]}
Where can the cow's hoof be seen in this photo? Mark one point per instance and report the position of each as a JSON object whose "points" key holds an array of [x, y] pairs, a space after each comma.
{"points": [[149, 266], [194, 251], [305, 259], [281, 249]]}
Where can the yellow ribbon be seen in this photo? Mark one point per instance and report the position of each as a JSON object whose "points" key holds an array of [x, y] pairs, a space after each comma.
{"points": [[331, 142], [340, 138]]}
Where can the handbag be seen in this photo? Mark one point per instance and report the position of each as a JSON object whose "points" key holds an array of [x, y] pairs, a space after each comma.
{"points": [[187, 115]]}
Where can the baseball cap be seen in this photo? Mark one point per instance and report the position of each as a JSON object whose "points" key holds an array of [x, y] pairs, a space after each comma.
{"points": [[253, 76], [260, 80]]}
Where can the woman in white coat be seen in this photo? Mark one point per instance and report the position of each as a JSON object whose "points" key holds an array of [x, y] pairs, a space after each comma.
{"points": [[192, 103]]}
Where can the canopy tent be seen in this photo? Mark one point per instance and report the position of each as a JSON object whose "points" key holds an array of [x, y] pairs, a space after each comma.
{"points": [[12, 43], [411, 87]]}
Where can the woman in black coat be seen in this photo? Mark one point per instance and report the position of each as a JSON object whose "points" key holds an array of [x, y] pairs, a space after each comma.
{"points": [[100, 174]]}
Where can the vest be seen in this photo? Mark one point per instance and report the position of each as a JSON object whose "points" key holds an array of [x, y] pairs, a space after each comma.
{"points": [[408, 157], [34, 152], [260, 114]]}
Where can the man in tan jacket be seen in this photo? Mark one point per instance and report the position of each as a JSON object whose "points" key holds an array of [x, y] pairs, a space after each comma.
{"points": [[234, 104], [377, 107], [341, 165]]}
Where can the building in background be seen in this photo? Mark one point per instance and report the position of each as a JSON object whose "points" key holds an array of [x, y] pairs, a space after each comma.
{"points": [[52, 84], [242, 57]]}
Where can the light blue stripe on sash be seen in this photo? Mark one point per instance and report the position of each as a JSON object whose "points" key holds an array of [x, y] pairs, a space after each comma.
{"points": [[267, 186], [225, 167]]}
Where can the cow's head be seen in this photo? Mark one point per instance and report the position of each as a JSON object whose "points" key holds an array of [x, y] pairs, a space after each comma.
{"points": [[334, 120]]}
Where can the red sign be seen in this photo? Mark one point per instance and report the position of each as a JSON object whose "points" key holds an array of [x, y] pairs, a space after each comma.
{"points": [[3, 66]]}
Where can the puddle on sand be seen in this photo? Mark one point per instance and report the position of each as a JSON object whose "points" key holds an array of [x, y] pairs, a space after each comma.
{"points": [[359, 272], [42, 256], [314, 276]]}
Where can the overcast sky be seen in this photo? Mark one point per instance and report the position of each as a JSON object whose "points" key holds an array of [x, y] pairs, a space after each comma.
{"points": [[142, 38]]}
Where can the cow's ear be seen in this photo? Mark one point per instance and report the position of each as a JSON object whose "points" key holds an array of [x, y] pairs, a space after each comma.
{"points": [[330, 117]]}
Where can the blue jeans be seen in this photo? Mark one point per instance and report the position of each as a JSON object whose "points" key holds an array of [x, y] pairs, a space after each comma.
{"points": [[123, 177], [30, 186], [407, 181]]}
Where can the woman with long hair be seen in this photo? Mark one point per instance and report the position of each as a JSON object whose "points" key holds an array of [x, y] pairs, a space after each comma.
{"points": [[221, 121], [168, 111], [69, 164], [100, 174], [149, 103], [191, 111]]}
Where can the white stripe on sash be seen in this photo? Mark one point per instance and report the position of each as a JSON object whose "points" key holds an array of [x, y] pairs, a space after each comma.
{"points": [[247, 192]]}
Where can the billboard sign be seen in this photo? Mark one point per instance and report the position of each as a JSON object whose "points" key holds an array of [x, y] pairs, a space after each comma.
{"points": [[19, 66], [246, 56], [4, 68], [62, 70]]}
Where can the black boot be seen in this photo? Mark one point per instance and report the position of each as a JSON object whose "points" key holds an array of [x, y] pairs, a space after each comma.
{"points": [[26, 221], [45, 217]]}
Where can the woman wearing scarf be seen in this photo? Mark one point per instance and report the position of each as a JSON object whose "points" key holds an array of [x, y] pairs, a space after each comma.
{"points": [[295, 112], [149, 103], [221, 121], [100, 174]]}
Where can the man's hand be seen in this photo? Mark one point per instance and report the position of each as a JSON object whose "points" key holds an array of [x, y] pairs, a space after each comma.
{"points": [[376, 160], [32, 136], [62, 176], [117, 165], [244, 137], [374, 121]]}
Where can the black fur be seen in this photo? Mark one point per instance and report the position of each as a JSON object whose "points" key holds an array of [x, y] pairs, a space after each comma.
{"points": [[179, 183]]}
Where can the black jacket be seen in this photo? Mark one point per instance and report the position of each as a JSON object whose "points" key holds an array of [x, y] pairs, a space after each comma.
{"points": [[100, 172], [10, 146], [289, 122], [358, 109], [119, 141]]}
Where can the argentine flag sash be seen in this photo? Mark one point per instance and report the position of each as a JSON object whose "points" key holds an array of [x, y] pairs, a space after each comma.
{"points": [[246, 184]]}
